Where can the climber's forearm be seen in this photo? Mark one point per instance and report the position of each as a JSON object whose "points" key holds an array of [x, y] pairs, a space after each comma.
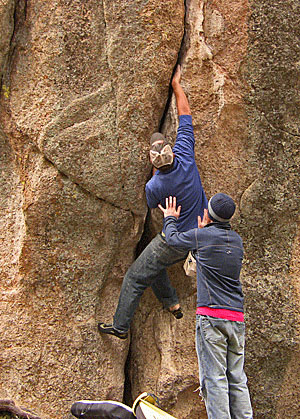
{"points": [[183, 107]]}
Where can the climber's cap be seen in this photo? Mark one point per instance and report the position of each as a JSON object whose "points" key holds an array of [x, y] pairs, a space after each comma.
{"points": [[221, 207], [158, 138], [161, 153]]}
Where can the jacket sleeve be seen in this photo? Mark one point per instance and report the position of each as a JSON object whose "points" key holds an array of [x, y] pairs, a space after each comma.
{"points": [[185, 240]]}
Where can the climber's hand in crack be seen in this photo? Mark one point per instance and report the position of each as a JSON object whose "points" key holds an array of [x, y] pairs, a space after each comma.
{"points": [[177, 76], [182, 103]]}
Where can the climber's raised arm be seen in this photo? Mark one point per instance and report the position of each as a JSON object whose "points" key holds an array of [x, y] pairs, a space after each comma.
{"points": [[183, 107]]}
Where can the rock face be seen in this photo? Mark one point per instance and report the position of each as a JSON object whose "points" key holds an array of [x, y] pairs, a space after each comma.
{"points": [[83, 86]]}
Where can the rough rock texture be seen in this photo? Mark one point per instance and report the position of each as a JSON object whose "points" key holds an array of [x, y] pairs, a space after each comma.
{"points": [[270, 207], [83, 85]]}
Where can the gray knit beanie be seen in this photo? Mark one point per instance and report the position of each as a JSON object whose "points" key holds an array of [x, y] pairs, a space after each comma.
{"points": [[221, 207]]}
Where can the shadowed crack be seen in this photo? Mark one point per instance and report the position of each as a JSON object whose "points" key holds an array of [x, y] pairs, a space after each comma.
{"points": [[179, 60], [147, 233], [19, 17]]}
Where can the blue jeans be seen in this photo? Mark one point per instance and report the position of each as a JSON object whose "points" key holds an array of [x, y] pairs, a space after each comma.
{"points": [[148, 270], [223, 382]]}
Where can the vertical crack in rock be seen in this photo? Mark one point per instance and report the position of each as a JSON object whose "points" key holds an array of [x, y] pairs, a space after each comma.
{"points": [[127, 395], [181, 52], [19, 17], [147, 232], [146, 235]]}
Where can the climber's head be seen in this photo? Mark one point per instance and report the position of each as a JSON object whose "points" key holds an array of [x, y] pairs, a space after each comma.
{"points": [[161, 154]]}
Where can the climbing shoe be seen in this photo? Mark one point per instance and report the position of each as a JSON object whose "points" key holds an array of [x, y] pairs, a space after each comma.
{"points": [[178, 314], [110, 330]]}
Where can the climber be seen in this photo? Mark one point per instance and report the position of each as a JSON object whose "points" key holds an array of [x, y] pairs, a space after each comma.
{"points": [[176, 174], [220, 327]]}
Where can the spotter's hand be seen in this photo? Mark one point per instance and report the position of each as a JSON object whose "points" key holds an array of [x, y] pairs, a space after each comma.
{"points": [[206, 220], [170, 207]]}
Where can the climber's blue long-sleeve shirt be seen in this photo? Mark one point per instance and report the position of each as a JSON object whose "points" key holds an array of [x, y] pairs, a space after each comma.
{"points": [[182, 181]]}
